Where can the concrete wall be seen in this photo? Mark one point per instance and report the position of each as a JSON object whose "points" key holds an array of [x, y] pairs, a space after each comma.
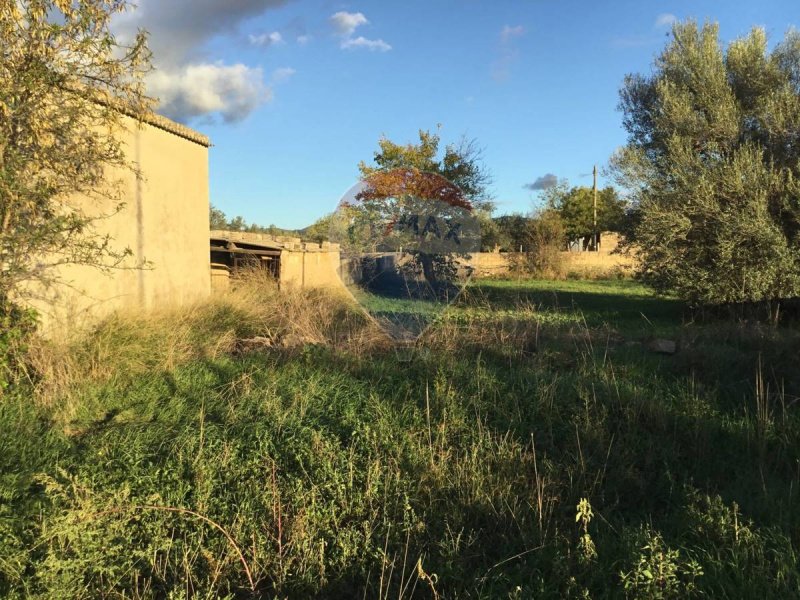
{"points": [[302, 264], [310, 269], [164, 223]]}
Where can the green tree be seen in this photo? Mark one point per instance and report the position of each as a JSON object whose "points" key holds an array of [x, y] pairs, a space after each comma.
{"points": [[320, 230], [217, 218], [713, 163], [576, 208], [460, 163], [514, 232]]}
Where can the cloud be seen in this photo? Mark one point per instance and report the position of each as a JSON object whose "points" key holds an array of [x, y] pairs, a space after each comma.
{"points": [[508, 33], [303, 39], [266, 39], [665, 20], [232, 91], [545, 182], [179, 29], [508, 53], [362, 42], [282, 74], [189, 84], [345, 23]]}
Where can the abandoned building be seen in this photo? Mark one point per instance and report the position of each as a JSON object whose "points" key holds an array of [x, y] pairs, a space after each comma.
{"points": [[163, 223], [290, 261]]}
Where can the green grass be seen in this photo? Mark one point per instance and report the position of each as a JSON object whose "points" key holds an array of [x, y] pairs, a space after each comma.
{"points": [[621, 304], [341, 472]]}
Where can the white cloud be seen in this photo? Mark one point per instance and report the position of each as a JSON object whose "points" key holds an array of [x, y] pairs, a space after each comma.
{"points": [[189, 84], [179, 29], [508, 33], [501, 68], [282, 74], [345, 23], [232, 91], [303, 39], [665, 20], [362, 42], [266, 39]]}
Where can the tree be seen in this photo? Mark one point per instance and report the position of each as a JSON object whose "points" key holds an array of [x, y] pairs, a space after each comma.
{"points": [[66, 86], [217, 218], [713, 163], [421, 214], [320, 230], [545, 241], [461, 164], [576, 208], [514, 232]]}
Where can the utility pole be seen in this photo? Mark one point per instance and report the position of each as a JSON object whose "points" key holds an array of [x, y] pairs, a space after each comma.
{"points": [[595, 241]]}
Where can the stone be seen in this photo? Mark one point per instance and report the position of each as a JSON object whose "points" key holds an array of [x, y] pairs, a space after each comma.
{"points": [[662, 346], [253, 344]]}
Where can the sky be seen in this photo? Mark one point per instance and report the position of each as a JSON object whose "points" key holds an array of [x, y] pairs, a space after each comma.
{"points": [[294, 94]]}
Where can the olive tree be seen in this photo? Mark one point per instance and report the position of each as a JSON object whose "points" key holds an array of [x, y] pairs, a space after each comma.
{"points": [[712, 164]]}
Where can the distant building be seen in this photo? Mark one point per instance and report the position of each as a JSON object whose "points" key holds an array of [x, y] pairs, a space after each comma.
{"points": [[290, 261]]}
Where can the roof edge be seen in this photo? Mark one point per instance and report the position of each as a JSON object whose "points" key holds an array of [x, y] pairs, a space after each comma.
{"points": [[170, 126]]}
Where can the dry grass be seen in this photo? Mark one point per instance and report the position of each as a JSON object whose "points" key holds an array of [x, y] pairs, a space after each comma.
{"points": [[130, 343]]}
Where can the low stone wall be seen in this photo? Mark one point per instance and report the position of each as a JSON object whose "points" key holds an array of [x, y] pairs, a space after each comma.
{"points": [[579, 264], [499, 264]]}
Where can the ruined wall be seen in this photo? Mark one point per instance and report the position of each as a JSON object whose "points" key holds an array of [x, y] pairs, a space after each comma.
{"points": [[311, 267], [302, 264], [164, 223]]}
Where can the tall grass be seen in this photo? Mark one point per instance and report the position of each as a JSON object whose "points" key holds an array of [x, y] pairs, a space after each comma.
{"points": [[516, 456]]}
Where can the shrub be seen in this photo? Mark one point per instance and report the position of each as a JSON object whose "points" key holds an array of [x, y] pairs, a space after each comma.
{"points": [[16, 326]]}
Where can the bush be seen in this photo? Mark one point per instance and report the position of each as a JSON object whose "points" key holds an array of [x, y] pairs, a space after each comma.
{"points": [[16, 326], [545, 235]]}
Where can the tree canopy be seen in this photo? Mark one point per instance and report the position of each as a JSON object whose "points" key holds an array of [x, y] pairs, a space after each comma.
{"points": [[460, 163], [575, 205], [712, 161]]}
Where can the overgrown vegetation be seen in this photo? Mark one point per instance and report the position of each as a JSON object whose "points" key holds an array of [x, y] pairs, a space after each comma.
{"points": [[532, 447], [713, 163]]}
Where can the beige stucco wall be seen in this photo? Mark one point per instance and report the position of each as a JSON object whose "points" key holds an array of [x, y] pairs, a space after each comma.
{"points": [[310, 269], [164, 223]]}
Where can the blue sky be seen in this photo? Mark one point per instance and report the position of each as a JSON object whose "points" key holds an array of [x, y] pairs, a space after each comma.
{"points": [[295, 94]]}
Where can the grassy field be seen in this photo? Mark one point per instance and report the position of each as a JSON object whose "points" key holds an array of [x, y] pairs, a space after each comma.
{"points": [[534, 447]]}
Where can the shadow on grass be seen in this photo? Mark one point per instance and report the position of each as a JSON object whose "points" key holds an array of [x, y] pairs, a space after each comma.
{"points": [[623, 305]]}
